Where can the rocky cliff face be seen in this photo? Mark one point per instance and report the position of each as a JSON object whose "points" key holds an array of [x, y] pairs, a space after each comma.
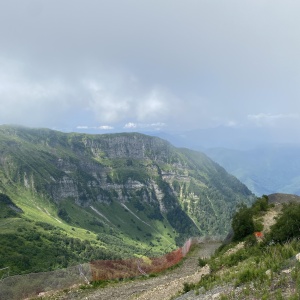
{"points": [[187, 188], [134, 146]]}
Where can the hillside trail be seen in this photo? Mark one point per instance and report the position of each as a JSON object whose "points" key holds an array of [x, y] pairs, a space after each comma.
{"points": [[161, 287], [269, 218]]}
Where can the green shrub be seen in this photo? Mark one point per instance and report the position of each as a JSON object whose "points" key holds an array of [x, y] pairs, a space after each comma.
{"points": [[250, 274], [188, 286], [208, 281], [258, 226], [260, 205], [202, 262], [287, 226], [100, 283], [250, 241], [242, 223]]}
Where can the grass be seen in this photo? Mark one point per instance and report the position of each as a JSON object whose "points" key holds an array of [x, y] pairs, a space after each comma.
{"points": [[134, 232], [257, 270], [262, 270], [92, 232]]}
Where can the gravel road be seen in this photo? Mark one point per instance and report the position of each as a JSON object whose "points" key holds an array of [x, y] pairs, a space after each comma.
{"points": [[159, 288]]}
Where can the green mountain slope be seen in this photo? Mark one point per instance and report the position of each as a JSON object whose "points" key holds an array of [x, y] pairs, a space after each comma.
{"points": [[108, 196]]}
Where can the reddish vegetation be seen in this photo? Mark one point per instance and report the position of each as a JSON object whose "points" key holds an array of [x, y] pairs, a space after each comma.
{"points": [[113, 269]]}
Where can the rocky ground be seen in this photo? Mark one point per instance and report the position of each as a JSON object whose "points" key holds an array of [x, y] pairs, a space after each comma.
{"points": [[283, 287]]}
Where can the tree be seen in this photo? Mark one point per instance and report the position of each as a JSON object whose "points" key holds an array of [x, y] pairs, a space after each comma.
{"points": [[260, 205], [242, 223]]}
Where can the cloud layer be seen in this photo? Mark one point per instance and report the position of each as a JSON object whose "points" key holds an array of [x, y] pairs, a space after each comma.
{"points": [[172, 65]]}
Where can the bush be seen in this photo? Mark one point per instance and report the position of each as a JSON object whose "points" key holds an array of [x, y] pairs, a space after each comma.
{"points": [[258, 226], [251, 274], [250, 241], [188, 286], [201, 262], [242, 223], [287, 226], [260, 205], [208, 281]]}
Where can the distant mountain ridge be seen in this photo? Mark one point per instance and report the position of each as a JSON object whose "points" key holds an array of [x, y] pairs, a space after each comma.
{"points": [[263, 159], [127, 190], [283, 198], [265, 170]]}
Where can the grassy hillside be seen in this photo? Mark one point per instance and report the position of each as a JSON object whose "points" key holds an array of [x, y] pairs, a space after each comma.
{"points": [[256, 268], [81, 197]]}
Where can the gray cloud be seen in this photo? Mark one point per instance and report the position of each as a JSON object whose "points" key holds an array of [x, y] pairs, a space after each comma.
{"points": [[33, 102], [185, 64], [279, 120]]}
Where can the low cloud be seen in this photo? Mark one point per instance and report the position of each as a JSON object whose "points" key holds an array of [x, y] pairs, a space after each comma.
{"points": [[82, 127], [118, 97], [142, 126], [130, 125], [268, 119], [106, 127], [231, 123], [102, 127]]}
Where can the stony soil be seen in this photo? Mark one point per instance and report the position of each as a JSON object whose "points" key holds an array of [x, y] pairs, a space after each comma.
{"points": [[269, 218]]}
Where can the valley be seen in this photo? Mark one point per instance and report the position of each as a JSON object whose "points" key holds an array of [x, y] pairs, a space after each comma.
{"points": [[67, 200], [82, 197]]}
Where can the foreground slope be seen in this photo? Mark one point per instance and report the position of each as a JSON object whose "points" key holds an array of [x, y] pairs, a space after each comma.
{"points": [[108, 191], [263, 266]]}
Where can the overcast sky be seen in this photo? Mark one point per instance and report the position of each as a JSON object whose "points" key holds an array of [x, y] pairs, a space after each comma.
{"points": [[150, 65]]}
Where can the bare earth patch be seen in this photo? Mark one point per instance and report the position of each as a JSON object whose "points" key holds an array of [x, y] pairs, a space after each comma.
{"points": [[235, 249], [269, 217]]}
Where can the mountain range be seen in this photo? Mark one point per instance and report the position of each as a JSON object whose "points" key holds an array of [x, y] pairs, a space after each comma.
{"points": [[75, 197], [264, 159], [265, 170]]}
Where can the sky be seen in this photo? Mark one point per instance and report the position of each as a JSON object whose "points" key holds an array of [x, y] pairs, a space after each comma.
{"points": [[168, 65]]}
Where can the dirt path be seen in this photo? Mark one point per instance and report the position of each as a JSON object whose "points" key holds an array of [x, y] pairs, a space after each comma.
{"points": [[269, 218], [161, 287]]}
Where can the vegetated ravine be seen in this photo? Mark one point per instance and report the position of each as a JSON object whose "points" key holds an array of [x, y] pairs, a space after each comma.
{"points": [[79, 197]]}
